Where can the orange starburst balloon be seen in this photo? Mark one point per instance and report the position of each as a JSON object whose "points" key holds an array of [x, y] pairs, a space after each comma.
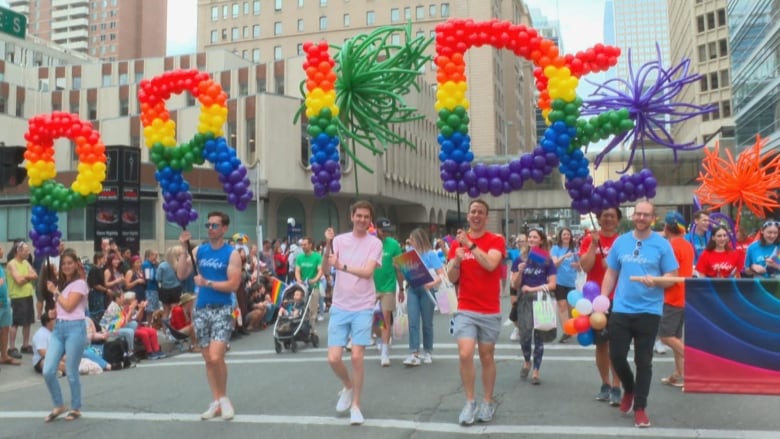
{"points": [[750, 181]]}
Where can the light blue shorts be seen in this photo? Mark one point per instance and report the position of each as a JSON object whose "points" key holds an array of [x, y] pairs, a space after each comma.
{"points": [[5, 315], [345, 324]]}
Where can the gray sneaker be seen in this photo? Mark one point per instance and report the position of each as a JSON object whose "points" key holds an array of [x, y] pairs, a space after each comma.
{"points": [[604, 393], [486, 411], [468, 413], [614, 397]]}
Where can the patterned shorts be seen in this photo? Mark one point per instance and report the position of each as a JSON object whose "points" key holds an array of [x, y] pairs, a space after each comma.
{"points": [[213, 323]]}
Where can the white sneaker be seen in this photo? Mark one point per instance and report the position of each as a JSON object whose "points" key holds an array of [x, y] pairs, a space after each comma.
{"points": [[515, 335], [384, 360], [355, 417], [227, 408], [660, 348], [212, 411], [427, 359], [345, 400], [508, 322], [412, 360], [320, 318]]}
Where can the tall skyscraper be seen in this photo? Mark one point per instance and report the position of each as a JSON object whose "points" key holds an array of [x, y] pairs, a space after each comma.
{"points": [[106, 29], [699, 31], [753, 36], [636, 26]]}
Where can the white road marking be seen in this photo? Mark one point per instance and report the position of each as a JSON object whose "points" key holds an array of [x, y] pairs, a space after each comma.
{"points": [[434, 427]]}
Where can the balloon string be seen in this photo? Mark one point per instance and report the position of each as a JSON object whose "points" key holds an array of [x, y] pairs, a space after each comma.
{"points": [[192, 256]]}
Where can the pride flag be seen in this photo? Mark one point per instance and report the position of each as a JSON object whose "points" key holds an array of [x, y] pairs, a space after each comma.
{"points": [[276, 291], [538, 255]]}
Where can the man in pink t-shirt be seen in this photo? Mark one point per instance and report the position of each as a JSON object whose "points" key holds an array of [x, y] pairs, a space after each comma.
{"points": [[354, 255]]}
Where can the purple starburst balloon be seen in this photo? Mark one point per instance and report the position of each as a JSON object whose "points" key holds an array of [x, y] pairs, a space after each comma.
{"points": [[648, 95]]}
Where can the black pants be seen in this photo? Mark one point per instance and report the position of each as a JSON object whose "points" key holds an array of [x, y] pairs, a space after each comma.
{"points": [[642, 328]]}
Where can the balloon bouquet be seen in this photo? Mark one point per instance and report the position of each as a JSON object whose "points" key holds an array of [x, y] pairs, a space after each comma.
{"points": [[47, 196], [589, 313], [209, 143]]}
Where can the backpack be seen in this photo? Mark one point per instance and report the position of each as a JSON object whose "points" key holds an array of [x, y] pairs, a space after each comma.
{"points": [[116, 353]]}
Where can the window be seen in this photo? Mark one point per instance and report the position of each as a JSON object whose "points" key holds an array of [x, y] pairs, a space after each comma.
{"points": [[396, 40], [92, 111], [234, 34], [702, 53], [323, 3], [407, 13], [225, 12], [300, 3], [256, 7], [395, 15], [700, 24], [715, 112], [123, 79], [713, 49], [124, 107], [323, 23], [255, 55], [224, 34], [256, 31], [277, 53], [723, 46], [445, 10], [703, 83], [300, 25], [724, 78], [244, 55], [346, 20], [236, 10], [106, 80], [721, 17], [713, 80], [277, 28], [246, 32], [214, 13], [370, 18], [710, 20], [299, 49], [705, 117], [432, 11], [277, 5], [77, 82], [246, 8], [420, 12], [2, 104], [725, 108]]}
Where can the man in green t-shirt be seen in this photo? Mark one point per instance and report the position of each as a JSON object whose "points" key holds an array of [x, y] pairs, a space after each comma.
{"points": [[308, 270], [386, 279]]}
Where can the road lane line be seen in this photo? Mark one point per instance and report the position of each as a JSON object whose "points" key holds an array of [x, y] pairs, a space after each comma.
{"points": [[433, 427]]}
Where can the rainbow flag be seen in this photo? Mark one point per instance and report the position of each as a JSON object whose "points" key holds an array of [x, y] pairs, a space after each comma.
{"points": [[277, 288], [538, 255]]}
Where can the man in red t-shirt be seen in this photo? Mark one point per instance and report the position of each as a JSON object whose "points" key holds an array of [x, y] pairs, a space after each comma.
{"points": [[474, 260], [594, 249], [671, 328]]}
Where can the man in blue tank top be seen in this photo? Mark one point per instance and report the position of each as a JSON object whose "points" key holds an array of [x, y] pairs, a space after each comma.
{"points": [[219, 275]]}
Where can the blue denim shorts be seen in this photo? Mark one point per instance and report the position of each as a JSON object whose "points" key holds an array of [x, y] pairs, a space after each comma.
{"points": [[345, 324]]}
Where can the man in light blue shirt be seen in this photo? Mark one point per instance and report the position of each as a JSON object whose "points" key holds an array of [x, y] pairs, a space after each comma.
{"points": [[636, 261]]}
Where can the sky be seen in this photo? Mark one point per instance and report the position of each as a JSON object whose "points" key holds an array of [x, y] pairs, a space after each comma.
{"points": [[182, 19], [581, 21]]}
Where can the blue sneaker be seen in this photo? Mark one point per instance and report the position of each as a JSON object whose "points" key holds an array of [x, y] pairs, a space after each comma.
{"points": [[603, 394], [468, 414]]}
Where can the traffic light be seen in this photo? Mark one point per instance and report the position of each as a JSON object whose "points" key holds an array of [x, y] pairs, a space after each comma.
{"points": [[11, 172]]}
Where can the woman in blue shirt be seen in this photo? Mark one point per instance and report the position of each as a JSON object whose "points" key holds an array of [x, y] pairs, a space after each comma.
{"points": [[419, 303], [567, 263], [761, 259]]}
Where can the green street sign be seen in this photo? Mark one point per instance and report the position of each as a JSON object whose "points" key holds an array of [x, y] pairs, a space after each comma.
{"points": [[12, 23]]}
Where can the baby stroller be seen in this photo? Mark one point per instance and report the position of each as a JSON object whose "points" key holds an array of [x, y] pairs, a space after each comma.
{"points": [[288, 329]]}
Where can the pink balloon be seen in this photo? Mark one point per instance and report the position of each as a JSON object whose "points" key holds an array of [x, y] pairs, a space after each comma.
{"points": [[601, 304]]}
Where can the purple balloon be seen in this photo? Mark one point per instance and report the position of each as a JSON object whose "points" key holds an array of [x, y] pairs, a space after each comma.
{"points": [[480, 170], [450, 186], [493, 171], [474, 192], [334, 186], [482, 184], [591, 290], [449, 166], [469, 177], [515, 181]]}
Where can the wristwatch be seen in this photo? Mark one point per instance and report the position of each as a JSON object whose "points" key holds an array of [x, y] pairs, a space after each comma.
{"points": [[472, 246], [209, 283]]}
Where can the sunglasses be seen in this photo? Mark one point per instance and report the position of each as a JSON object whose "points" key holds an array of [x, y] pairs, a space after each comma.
{"points": [[213, 226], [770, 223], [637, 248]]}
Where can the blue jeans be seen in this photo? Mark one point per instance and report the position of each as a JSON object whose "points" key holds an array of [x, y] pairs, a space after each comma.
{"points": [[128, 333], [89, 354], [68, 338], [419, 307]]}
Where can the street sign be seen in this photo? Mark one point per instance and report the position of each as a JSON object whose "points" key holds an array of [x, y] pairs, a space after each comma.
{"points": [[12, 23]]}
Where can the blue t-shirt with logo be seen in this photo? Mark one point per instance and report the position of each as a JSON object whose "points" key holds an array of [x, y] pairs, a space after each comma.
{"points": [[213, 266], [653, 257], [758, 253], [567, 275]]}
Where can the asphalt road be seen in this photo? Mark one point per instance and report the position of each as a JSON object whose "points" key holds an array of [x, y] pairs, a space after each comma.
{"points": [[293, 395]]}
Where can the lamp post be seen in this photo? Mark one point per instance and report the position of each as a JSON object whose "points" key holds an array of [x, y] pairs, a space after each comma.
{"points": [[507, 124]]}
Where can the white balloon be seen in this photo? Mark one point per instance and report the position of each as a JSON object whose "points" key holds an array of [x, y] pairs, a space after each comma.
{"points": [[584, 307]]}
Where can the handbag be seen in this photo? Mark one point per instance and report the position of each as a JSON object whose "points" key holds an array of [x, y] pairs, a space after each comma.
{"points": [[545, 318], [400, 324], [446, 298]]}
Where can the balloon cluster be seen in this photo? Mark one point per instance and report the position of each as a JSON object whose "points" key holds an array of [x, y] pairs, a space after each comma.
{"points": [[47, 195], [557, 77], [322, 112], [588, 313], [209, 143], [359, 97]]}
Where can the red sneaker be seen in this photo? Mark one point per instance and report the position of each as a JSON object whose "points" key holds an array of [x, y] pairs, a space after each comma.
{"points": [[640, 419], [627, 403]]}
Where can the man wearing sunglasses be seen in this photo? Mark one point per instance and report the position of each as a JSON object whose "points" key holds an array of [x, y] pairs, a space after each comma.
{"points": [[218, 275], [637, 307]]}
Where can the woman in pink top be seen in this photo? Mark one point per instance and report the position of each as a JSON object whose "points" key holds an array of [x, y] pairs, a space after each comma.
{"points": [[69, 336]]}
